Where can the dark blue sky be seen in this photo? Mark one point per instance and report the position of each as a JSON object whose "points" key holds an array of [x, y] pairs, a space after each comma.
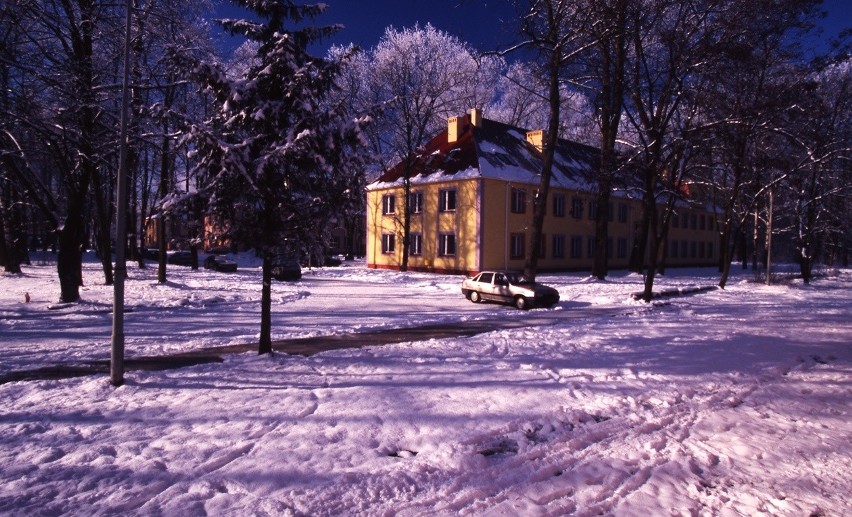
{"points": [[484, 24]]}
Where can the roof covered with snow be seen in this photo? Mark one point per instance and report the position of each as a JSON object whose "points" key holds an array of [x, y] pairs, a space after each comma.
{"points": [[493, 150]]}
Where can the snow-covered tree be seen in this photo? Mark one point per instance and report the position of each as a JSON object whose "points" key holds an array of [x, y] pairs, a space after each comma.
{"points": [[417, 78], [57, 118], [172, 26], [752, 70], [814, 194], [547, 29], [276, 153], [61, 61], [521, 100], [666, 50]]}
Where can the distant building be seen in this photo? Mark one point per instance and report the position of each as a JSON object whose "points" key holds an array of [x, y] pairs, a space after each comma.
{"points": [[471, 205]]}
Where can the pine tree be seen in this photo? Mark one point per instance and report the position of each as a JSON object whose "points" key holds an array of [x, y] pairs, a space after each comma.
{"points": [[276, 153]]}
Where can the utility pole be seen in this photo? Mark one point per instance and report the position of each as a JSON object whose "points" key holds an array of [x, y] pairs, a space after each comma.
{"points": [[116, 370]]}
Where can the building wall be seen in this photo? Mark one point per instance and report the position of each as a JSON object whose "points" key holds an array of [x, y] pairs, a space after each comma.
{"points": [[694, 233], [492, 234], [448, 238]]}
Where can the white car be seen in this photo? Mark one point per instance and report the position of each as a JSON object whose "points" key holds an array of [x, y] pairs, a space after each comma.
{"points": [[508, 287]]}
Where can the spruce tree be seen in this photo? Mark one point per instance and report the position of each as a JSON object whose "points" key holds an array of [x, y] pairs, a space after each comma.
{"points": [[277, 155]]}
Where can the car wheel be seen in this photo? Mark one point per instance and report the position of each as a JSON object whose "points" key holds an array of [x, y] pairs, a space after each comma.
{"points": [[522, 303], [474, 297]]}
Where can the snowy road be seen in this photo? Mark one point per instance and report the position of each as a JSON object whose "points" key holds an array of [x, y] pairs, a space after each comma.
{"points": [[205, 309]]}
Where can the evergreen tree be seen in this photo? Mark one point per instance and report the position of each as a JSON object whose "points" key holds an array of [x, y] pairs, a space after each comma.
{"points": [[276, 153]]}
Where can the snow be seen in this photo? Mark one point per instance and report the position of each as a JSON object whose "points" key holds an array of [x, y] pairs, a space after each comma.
{"points": [[728, 402], [498, 163]]}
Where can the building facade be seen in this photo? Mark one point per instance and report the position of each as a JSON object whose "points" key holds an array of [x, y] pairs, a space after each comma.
{"points": [[470, 207]]}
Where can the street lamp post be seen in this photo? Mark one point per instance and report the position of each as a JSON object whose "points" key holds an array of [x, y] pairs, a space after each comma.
{"points": [[117, 353]]}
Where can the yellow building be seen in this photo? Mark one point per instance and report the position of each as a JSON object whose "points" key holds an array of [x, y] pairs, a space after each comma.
{"points": [[471, 202]]}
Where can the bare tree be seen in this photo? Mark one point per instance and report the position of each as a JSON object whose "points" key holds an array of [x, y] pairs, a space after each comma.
{"points": [[546, 30], [752, 78], [667, 49], [417, 77], [63, 38], [521, 100], [814, 189], [60, 135], [607, 66]]}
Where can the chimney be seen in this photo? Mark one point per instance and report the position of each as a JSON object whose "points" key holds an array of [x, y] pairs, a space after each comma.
{"points": [[476, 117], [536, 138], [453, 129]]}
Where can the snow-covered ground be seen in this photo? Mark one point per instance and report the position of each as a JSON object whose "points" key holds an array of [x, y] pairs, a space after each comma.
{"points": [[733, 402]]}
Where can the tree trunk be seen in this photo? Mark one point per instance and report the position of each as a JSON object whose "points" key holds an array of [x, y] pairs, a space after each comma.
{"points": [[69, 260], [613, 54], [161, 246], [163, 190], [601, 266], [727, 254], [653, 254], [552, 136], [649, 210], [103, 238], [406, 221], [14, 253], [265, 342]]}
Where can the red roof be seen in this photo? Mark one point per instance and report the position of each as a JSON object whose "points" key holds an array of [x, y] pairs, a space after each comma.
{"points": [[440, 155]]}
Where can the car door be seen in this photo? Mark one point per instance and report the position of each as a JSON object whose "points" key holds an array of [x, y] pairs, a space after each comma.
{"points": [[501, 291], [484, 285]]}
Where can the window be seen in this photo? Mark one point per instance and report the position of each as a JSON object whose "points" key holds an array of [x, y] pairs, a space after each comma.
{"points": [[517, 249], [593, 210], [447, 244], [558, 205], [684, 248], [415, 202], [447, 200], [709, 250], [693, 221], [622, 248], [388, 204], [519, 201], [500, 279], [693, 249], [592, 246], [684, 222], [675, 220], [622, 212], [576, 208], [576, 246], [701, 249], [558, 246], [415, 244], [388, 243], [673, 247]]}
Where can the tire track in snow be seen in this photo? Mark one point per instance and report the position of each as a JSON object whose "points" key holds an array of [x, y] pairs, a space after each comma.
{"points": [[562, 458]]}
